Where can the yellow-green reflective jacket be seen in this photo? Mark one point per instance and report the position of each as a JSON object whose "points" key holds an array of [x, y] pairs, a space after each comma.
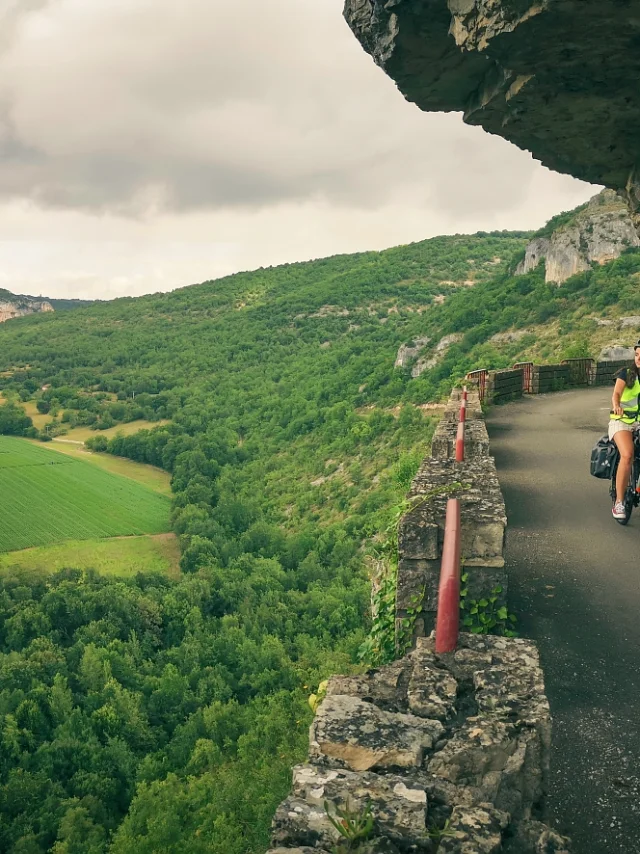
{"points": [[629, 403]]}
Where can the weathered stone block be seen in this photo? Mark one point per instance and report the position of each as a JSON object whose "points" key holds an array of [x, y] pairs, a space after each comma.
{"points": [[386, 687], [485, 577], [398, 806], [533, 837], [432, 692], [474, 830], [483, 519], [476, 440], [418, 580], [350, 733], [418, 537]]}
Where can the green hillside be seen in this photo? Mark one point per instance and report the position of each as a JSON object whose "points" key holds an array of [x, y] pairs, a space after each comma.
{"points": [[166, 714]]}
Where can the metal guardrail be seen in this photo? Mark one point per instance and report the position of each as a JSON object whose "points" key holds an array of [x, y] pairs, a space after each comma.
{"points": [[479, 378], [448, 617], [527, 376]]}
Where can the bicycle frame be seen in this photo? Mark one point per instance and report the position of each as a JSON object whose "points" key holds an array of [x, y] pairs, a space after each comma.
{"points": [[632, 493]]}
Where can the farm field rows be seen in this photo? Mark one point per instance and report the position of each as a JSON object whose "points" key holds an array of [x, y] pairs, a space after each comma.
{"points": [[46, 497], [152, 477]]}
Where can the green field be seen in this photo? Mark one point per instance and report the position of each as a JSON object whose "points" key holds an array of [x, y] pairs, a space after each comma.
{"points": [[154, 478], [123, 557], [46, 497]]}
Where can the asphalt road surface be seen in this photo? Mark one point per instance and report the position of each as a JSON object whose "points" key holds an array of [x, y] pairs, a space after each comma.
{"points": [[574, 584]]}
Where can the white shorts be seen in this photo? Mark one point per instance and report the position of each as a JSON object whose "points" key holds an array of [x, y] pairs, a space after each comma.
{"points": [[620, 427]]}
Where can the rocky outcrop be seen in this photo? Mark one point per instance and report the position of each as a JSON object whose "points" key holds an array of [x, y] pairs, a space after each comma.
{"points": [[597, 234], [558, 79], [20, 307], [426, 363], [447, 753], [408, 352]]}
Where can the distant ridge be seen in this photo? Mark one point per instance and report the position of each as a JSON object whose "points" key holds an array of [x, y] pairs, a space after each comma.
{"points": [[19, 305]]}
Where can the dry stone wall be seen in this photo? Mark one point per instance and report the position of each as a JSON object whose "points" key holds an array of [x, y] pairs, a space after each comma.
{"points": [[501, 386], [482, 510], [450, 753]]}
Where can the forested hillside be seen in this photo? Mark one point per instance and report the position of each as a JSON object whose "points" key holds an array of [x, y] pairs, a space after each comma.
{"points": [[158, 715]]}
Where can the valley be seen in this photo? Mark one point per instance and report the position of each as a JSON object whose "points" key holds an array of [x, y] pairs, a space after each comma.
{"points": [[231, 458]]}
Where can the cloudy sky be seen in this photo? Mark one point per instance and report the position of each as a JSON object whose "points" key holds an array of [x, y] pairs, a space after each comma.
{"points": [[149, 144]]}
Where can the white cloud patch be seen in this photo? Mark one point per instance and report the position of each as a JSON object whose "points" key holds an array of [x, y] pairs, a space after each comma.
{"points": [[254, 132]]}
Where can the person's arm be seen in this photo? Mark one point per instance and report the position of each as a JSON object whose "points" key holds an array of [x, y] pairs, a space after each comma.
{"points": [[615, 400]]}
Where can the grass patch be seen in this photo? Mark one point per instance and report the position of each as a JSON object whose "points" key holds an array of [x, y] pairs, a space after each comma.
{"points": [[81, 434], [39, 420], [46, 497], [123, 557]]}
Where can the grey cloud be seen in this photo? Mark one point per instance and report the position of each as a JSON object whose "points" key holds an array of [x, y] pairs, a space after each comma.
{"points": [[222, 105]]}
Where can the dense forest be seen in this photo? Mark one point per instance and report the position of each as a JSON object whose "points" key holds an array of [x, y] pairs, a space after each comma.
{"points": [[157, 715]]}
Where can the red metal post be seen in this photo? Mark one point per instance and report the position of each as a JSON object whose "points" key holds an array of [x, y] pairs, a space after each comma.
{"points": [[460, 443], [448, 619], [465, 393]]}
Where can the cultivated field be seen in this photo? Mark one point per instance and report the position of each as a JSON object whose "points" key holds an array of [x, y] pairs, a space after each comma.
{"points": [[46, 497], [152, 477]]}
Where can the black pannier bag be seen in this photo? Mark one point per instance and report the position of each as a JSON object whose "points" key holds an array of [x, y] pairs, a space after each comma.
{"points": [[603, 458]]}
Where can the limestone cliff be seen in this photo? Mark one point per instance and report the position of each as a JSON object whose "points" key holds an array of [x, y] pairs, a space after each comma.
{"points": [[558, 78], [16, 306], [597, 233]]}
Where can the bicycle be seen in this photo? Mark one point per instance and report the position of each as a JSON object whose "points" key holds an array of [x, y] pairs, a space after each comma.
{"points": [[632, 492]]}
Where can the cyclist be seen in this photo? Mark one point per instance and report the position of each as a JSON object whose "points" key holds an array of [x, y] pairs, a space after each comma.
{"points": [[624, 417]]}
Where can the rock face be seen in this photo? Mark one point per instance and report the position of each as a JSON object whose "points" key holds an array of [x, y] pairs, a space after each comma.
{"points": [[408, 352], [19, 307], [597, 234], [556, 77]]}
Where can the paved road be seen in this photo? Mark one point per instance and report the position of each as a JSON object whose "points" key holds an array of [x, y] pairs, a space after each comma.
{"points": [[575, 586]]}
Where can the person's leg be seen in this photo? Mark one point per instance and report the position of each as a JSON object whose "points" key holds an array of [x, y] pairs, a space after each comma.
{"points": [[624, 441]]}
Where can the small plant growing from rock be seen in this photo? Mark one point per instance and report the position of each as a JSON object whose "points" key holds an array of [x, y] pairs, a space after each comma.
{"points": [[485, 616], [404, 640], [439, 833], [316, 698], [354, 825]]}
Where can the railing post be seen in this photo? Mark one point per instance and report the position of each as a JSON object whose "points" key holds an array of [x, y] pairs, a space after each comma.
{"points": [[448, 619], [461, 423], [460, 443]]}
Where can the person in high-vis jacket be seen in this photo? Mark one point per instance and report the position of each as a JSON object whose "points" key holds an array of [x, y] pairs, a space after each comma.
{"points": [[625, 410]]}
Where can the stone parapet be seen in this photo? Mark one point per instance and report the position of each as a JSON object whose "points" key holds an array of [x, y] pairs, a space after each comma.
{"points": [[482, 511], [504, 385], [421, 535], [476, 440], [605, 371], [450, 753], [547, 378]]}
